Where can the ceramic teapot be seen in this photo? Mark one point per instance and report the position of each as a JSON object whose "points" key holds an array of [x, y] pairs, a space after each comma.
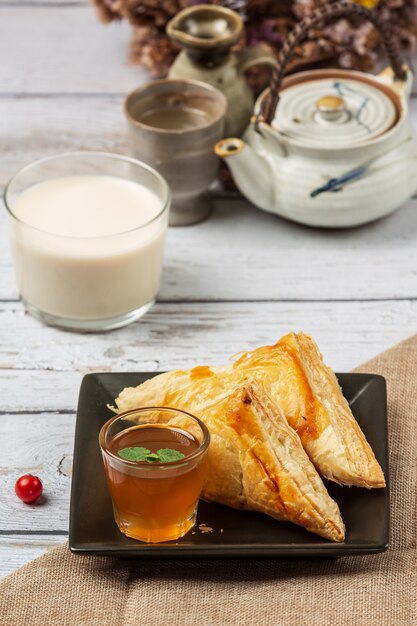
{"points": [[339, 150], [207, 33]]}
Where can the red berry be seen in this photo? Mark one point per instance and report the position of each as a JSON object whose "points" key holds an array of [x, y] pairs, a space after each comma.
{"points": [[28, 488]]}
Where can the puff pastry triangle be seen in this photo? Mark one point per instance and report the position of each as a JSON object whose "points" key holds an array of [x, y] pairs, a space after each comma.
{"points": [[293, 373], [256, 462]]}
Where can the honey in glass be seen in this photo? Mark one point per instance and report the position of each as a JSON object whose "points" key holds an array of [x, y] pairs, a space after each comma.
{"points": [[155, 501]]}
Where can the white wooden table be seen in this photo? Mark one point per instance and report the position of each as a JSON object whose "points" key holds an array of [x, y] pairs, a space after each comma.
{"points": [[241, 279]]}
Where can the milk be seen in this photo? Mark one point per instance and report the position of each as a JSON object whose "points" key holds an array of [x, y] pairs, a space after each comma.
{"points": [[88, 247]]}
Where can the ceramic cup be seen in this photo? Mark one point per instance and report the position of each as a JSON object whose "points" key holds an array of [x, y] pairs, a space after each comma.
{"points": [[173, 126]]}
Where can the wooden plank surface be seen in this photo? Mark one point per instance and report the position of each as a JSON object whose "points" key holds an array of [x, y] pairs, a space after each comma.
{"points": [[17, 550], [239, 280], [184, 335], [35, 4], [74, 123], [39, 444], [169, 338], [63, 49]]}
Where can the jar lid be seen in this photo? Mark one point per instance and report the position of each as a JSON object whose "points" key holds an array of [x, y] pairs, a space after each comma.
{"points": [[336, 111]]}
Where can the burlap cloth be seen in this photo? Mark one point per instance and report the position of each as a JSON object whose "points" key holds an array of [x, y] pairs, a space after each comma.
{"points": [[377, 590]]}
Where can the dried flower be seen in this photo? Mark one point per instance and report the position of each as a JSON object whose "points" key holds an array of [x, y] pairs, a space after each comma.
{"points": [[347, 43]]}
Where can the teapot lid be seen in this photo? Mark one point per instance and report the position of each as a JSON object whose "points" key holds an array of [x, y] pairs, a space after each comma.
{"points": [[336, 109]]}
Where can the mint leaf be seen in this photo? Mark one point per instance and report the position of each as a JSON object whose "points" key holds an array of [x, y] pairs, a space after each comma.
{"points": [[153, 457], [140, 455], [134, 454], [166, 455]]}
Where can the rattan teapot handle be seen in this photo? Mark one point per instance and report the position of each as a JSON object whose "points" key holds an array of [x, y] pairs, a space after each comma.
{"points": [[317, 17]]}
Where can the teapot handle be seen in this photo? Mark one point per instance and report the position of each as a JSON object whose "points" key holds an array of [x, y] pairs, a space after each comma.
{"points": [[298, 34]]}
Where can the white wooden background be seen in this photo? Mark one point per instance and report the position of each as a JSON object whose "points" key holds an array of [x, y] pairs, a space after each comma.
{"points": [[241, 279]]}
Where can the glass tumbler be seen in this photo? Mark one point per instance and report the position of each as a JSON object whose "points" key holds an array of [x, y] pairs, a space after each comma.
{"points": [[91, 281], [154, 500]]}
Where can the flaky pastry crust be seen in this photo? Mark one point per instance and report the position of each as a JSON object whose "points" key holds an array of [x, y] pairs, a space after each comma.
{"points": [[255, 461], [293, 373]]}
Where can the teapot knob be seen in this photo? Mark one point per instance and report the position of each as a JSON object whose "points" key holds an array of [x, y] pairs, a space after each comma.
{"points": [[330, 108]]}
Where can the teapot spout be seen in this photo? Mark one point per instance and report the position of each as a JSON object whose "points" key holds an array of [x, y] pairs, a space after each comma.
{"points": [[250, 171]]}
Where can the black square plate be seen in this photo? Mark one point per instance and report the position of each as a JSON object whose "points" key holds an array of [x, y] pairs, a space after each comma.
{"points": [[234, 533]]}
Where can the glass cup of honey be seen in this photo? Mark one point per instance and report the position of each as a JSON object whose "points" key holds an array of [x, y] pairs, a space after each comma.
{"points": [[154, 463]]}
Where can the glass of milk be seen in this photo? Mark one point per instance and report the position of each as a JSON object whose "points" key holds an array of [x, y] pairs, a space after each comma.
{"points": [[87, 233]]}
